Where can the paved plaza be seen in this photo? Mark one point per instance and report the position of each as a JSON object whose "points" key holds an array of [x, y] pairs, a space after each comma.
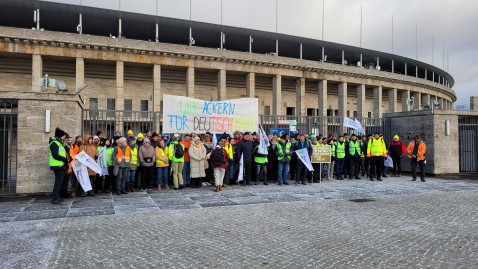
{"points": [[341, 224]]}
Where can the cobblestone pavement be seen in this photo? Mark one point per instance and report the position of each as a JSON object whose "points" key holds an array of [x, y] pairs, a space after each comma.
{"points": [[341, 224]]}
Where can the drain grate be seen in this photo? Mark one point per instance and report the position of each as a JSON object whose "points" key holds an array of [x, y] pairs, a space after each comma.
{"points": [[362, 200]]}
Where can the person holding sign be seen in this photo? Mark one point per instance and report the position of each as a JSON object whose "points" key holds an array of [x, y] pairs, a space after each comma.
{"points": [[58, 163], [301, 172], [283, 153], [90, 148]]}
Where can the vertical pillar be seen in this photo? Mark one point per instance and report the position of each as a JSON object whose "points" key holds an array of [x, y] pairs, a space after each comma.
{"points": [[343, 57], [323, 98], [405, 98], [342, 99], [300, 97], [426, 99], [392, 100], [361, 102], [120, 85], [190, 82], [251, 85], [377, 102], [417, 100], [221, 85], [276, 95], [157, 88], [441, 101], [37, 72], [80, 73]]}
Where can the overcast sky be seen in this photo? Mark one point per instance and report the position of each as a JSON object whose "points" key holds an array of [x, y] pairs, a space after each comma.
{"points": [[453, 23]]}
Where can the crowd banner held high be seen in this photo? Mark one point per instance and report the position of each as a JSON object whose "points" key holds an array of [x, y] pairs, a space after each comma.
{"points": [[303, 155], [188, 115], [320, 154], [353, 124]]}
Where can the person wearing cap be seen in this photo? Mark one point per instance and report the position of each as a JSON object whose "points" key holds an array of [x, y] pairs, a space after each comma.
{"points": [[341, 149], [121, 159], [230, 159], [396, 150], [272, 162], [107, 187], [165, 137], [139, 170], [130, 133], [283, 153], [244, 148], [355, 152], [116, 136], [197, 158], [301, 172], [133, 164], [416, 153], [186, 142], [58, 163], [147, 159], [377, 151], [177, 162], [162, 165]]}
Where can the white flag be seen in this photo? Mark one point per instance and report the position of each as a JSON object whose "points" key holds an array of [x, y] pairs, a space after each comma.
{"points": [[264, 141], [359, 127], [303, 155], [353, 124], [214, 140], [102, 162], [240, 177], [81, 174], [85, 159]]}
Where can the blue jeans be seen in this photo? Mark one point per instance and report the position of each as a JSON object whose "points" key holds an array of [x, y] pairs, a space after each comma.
{"points": [[121, 178], [162, 176], [261, 172], [232, 171], [187, 173], [339, 165], [130, 177], [283, 173]]}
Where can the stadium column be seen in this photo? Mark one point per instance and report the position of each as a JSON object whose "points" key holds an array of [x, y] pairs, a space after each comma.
{"points": [[426, 99], [392, 100], [417, 102], [323, 106], [251, 85], [157, 88], [405, 98], [276, 95], [377, 102], [361, 102], [221, 85], [190, 82], [300, 97], [80, 73], [37, 72], [342, 99], [441, 101], [119, 91]]}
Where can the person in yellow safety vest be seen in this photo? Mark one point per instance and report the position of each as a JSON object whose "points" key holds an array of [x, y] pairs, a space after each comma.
{"points": [[330, 170], [261, 164], [133, 164], [176, 155], [362, 156], [109, 162], [122, 158], [355, 151], [162, 164], [376, 151], [340, 153], [58, 163], [283, 153]]}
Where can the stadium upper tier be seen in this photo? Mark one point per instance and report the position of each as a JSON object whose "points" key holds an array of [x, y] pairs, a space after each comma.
{"points": [[105, 22]]}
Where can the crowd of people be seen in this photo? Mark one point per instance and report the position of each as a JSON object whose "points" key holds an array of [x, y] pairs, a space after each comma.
{"points": [[148, 161]]}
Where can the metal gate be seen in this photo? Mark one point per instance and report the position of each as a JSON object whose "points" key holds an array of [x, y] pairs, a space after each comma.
{"points": [[8, 146], [468, 144]]}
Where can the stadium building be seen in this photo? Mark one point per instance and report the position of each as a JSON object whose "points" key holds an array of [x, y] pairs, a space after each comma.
{"points": [[122, 63]]}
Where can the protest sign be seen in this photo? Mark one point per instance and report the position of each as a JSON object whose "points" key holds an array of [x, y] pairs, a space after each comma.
{"points": [[320, 154], [81, 174]]}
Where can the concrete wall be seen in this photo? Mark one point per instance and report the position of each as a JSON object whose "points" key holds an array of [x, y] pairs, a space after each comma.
{"points": [[33, 172], [442, 151]]}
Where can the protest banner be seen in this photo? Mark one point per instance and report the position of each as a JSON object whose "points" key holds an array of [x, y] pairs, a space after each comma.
{"points": [[353, 124], [102, 162], [185, 115], [303, 155], [320, 154], [264, 141], [85, 159], [81, 174]]}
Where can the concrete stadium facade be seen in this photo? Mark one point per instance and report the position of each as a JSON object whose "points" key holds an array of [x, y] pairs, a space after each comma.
{"points": [[133, 74]]}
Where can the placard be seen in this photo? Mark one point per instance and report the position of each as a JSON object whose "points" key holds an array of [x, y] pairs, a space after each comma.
{"points": [[320, 154]]}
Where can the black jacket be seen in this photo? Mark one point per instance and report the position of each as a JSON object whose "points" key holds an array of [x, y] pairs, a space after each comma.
{"points": [[244, 147], [54, 153]]}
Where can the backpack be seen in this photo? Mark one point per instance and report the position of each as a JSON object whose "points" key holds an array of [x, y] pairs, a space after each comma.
{"points": [[217, 157], [178, 151]]}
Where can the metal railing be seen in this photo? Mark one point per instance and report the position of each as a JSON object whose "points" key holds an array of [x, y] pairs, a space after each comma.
{"points": [[8, 146], [468, 144]]}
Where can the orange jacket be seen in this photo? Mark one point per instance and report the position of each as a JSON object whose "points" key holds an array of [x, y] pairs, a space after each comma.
{"points": [[422, 148], [187, 145]]}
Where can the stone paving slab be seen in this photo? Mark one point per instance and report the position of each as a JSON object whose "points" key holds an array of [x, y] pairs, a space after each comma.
{"points": [[42, 214], [90, 211]]}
